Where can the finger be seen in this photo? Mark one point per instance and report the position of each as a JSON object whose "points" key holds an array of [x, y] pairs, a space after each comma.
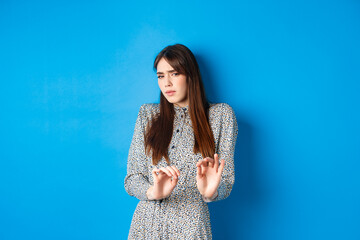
{"points": [[209, 162], [216, 160], [166, 171], [174, 181], [198, 172], [176, 170], [203, 169], [172, 171], [198, 164], [221, 168], [205, 162], [202, 162], [157, 175], [155, 172]]}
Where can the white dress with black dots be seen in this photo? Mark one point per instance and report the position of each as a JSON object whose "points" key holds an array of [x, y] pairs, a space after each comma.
{"points": [[184, 214]]}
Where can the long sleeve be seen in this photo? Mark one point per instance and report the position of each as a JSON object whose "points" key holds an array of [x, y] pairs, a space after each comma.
{"points": [[226, 149], [136, 181]]}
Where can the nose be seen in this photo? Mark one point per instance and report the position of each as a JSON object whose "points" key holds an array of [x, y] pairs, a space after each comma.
{"points": [[167, 81]]}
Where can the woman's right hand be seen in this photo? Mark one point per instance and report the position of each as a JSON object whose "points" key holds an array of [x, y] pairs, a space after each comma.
{"points": [[165, 180]]}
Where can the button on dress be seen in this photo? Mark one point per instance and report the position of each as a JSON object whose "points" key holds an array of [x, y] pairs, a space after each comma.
{"points": [[184, 214]]}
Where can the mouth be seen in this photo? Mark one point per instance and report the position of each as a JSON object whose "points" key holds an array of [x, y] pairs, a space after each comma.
{"points": [[170, 93]]}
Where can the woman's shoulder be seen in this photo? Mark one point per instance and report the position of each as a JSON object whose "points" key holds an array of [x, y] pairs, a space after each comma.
{"points": [[221, 115], [149, 109], [221, 108]]}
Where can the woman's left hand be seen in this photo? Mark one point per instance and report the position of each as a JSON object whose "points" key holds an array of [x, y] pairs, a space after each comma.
{"points": [[208, 176]]}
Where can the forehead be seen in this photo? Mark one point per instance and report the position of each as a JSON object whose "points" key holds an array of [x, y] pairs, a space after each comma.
{"points": [[164, 66]]}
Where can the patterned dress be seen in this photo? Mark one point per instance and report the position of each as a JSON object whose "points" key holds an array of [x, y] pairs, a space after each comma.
{"points": [[184, 214]]}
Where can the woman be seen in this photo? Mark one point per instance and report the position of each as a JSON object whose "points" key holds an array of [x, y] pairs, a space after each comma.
{"points": [[172, 166]]}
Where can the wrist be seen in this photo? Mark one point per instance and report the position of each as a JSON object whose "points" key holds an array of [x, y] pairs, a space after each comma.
{"points": [[152, 194], [149, 193], [211, 198]]}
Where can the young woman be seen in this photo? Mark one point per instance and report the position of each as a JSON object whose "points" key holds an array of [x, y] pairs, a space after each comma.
{"points": [[173, 163]]}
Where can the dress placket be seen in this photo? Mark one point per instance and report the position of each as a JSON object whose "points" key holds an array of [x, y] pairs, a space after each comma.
{"points": [[174, 153]]}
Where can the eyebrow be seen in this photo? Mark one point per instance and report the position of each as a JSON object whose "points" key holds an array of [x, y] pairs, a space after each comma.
{"points": [[170, 71]]}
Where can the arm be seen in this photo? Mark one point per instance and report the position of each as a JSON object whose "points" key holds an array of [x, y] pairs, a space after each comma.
{"points": [[136, 181], [214, 179], [226, 149]]}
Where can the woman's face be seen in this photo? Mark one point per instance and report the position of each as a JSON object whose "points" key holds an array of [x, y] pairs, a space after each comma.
{"points": [[172, 84]]}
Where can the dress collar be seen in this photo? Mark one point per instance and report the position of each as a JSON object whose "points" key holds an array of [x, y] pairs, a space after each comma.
{"points": [[181, 109]]}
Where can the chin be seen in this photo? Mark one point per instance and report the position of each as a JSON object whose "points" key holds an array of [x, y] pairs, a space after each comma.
{"points": [[171, 101]]}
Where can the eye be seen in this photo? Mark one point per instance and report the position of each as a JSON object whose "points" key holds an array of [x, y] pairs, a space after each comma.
{"points": [[175, 74], [160, 76]]}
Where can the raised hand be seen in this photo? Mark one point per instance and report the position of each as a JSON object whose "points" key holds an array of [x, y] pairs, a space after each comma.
{"points": [[208, 176], [165, 180]]}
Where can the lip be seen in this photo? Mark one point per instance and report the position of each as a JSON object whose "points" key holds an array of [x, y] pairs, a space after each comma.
{"points": [[170, 92]]}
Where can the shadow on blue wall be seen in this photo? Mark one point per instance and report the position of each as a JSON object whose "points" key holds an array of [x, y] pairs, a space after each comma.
{"points": [[207, 77], [230, 216]]}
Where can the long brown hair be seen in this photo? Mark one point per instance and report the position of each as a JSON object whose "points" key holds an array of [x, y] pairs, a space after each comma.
{"points": [[159, 132]]}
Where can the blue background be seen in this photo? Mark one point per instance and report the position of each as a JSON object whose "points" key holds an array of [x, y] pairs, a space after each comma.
{"points": [[74, 74]]}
